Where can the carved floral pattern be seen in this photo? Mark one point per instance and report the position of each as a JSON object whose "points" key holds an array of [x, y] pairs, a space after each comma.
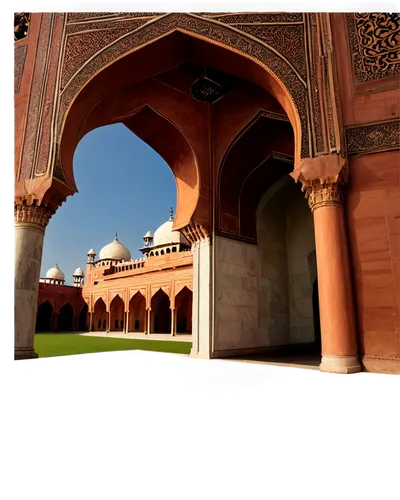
{"points": [[371, 138], [288, 39], [19, 63], [375, 45], [80, 47]]}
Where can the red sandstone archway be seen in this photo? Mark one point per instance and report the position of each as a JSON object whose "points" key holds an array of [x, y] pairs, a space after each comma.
{"points": [[259, 155], [83, 324], [137, 313], [160, 313], [44, 317], [183, 311], [99, 321], [137, 99], [117, 315], [66, 318]]}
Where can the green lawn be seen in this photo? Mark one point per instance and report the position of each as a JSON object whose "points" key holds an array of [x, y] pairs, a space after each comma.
{"points": [[63, 344]]}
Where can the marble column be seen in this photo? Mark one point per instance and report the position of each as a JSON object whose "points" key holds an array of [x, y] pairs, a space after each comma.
{"points": [[127, 323], [201, 313], [173, 322], [337, 318], [148, 321], [30, 224]]}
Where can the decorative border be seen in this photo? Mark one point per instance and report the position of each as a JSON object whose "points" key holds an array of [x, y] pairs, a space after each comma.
{"points": [[19, 63], [374, 137]]}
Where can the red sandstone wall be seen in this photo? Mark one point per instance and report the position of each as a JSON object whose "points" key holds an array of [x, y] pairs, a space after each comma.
{"points": [[373, 201]]}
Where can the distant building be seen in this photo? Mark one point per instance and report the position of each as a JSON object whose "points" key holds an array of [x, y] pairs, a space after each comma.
{"points": [[152, 294]]}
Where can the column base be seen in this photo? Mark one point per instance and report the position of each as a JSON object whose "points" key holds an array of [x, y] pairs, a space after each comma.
{"points": [[28, 353], [340, 364], [199, 355]]}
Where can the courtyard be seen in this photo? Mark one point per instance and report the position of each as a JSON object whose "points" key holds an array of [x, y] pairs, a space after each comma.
{"points": [[64, 344]]}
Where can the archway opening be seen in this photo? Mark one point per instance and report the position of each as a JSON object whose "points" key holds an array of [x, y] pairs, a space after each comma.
{"points": [[117, 314], [183, 311], [160, 313], [99, 320], [285, 270], [66, 318], [83, 325], [44, 317], [137, 313]]}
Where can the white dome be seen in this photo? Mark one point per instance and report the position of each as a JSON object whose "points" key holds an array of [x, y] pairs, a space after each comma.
{"points": [[78, 272], [115, 251], [166, 236], [55, 273]]}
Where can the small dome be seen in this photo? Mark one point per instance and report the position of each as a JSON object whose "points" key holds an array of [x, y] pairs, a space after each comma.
{"points": [[115, 251], [91, 252], [166, 236], [148, 235], [78, 272], [55, 273]]}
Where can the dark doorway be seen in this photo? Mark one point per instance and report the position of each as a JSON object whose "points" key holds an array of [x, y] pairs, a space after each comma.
{"points": [[44, 317], [83, 324], [66, 318]]}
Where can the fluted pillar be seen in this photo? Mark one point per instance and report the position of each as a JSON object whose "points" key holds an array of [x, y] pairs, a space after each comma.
{"points": [[338, 330], [30, 223]]}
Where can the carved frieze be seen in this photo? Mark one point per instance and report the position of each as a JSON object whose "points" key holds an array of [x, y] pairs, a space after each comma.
{"points": [[374, 44], [19, 63], [384, 136]]}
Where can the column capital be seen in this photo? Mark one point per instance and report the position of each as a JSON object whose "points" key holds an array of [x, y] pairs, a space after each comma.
{"points": [[323, 179], [32, 214], [195, 233]]}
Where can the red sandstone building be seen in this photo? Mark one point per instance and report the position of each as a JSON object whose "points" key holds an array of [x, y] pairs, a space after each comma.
{"points": [[282, 131], [148, 295]]}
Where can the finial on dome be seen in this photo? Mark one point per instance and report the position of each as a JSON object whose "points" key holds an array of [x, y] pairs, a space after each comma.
{"points": [[116, 236], [171, 214]]}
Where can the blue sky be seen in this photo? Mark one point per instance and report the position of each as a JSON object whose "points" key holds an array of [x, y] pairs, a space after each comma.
{"points": [[124, 186]]}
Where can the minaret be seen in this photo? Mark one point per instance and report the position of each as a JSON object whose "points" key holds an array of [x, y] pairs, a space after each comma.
{"points": [[91, 256], [148, 239], [90, 265], [78, 277]]}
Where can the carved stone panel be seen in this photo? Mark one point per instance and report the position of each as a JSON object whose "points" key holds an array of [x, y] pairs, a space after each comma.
{"points": [[384, 136], [374, 45], [19, 63]]}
